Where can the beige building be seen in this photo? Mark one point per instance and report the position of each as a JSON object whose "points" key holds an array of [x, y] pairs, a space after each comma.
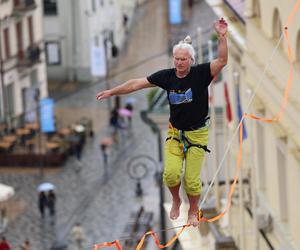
{"points": [[22, 63], [82, 36], [259, 68]]}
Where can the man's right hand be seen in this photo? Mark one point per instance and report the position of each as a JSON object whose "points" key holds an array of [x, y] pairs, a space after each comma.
{"points": [[103, 94]]}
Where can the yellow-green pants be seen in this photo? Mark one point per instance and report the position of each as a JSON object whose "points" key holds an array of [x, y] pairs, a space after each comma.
{"points": [[194, 158]]}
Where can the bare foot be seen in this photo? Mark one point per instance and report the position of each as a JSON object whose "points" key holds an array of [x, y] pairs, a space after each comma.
{"points": [[175, 210], [193, 218]]}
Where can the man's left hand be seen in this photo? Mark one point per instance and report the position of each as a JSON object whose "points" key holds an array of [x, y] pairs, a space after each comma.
{"points": [[221, 26]]}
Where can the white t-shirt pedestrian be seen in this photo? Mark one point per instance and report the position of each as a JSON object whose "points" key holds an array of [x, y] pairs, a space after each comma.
{"points": [[78, 235]]}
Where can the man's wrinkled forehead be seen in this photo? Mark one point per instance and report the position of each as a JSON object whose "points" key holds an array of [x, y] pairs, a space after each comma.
{"points": [[181, 53]]}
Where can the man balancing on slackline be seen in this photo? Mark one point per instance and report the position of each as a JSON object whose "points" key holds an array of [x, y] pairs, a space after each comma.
{"points": [[187, 89]]}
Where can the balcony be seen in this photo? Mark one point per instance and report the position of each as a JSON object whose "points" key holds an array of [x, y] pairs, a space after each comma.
{"points": [[29, 57], [22, 6]]}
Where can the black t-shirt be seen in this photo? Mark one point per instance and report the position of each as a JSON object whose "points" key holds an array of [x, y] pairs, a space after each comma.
{"points": [[188, 96]]}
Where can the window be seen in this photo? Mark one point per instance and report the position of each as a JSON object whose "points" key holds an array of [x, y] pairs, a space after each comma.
{"points": [[6, 43], [10, 98], [277, 27], [30, 30], [97, 42], [256, 8], [261, 155], [93, 5], [19, 33], [53, 53], [50, 7], [282, 181], [298, 48]]}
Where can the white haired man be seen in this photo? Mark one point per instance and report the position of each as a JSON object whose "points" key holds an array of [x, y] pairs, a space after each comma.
{"points": [[187, 89]]}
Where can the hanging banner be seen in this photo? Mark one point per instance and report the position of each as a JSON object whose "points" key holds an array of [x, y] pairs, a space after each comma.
{"points": [[175, 14], [47, 119], [30, 104], [98, 61]]}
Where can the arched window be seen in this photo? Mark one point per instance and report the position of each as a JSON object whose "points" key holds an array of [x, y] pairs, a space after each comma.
{"points": [[277, 27], [298, 47], [256, 8]]}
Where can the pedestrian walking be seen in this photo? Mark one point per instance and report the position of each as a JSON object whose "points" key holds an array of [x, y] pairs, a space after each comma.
{"points": [[4, 245], [51, 202], [114, 122], [129, 107], [190, 3], [187, 139], [3, 220], [78, 147], [43, 203], [103, 148], [26, 245], [78, 235]]}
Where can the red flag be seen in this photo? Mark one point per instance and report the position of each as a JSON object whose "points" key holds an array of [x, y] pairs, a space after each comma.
{"points": [[227, 103]]}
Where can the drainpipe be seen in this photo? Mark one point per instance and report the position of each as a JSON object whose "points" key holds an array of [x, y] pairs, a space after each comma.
{"points": [[2, 87]]}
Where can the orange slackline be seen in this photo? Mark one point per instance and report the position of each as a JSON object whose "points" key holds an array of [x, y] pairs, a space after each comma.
{"points": [[276, 118], [154, 236], [108, 244]]}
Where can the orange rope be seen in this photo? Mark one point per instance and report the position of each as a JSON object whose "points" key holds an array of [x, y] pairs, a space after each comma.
{"points": [[108, 244], [277, 117], [154, 236]]}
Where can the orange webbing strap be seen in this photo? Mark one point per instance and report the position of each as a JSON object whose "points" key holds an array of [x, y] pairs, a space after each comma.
{"points": [[108, 244], [293, 13], [277, 117], [154, 236]]}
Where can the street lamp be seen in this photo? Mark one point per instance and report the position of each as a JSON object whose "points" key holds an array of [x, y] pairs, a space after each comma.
{"points": [[158, 174]]}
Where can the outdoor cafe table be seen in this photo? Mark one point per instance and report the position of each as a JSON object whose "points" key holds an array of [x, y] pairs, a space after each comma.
{"points": [[23, 131], [52, 145], [5, 145], [9, 138], [32, 126]]}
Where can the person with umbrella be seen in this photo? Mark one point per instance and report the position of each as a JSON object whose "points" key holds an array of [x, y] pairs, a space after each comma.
{"points": [[42, 203], [187, 90], [51, 202], [46, 200]]}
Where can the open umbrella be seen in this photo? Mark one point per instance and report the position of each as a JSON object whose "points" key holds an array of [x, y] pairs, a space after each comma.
{"points": [[46, 186], [125, 112], [106, 141], [79, 128], [6, 192]]}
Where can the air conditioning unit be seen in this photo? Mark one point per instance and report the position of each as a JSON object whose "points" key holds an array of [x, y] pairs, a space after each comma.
{"points": [[264, 220]]}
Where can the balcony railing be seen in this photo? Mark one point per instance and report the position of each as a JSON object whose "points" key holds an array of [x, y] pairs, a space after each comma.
{"points": [[21, 6], [29, 57]]}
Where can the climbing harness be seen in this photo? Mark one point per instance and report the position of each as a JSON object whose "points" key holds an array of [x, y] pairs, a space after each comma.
{"points": [[183, 141], [185, 144]]}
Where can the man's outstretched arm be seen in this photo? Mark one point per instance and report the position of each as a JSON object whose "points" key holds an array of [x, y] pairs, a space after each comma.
{"points": [[217, 64], [125, 88]]}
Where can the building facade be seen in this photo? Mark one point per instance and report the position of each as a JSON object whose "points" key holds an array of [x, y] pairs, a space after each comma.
{"points": [[81, 36], [22, 63], [259, 71]]}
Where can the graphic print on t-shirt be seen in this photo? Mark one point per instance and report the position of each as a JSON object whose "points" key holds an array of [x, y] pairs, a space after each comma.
{"points": [[182, 97]]}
